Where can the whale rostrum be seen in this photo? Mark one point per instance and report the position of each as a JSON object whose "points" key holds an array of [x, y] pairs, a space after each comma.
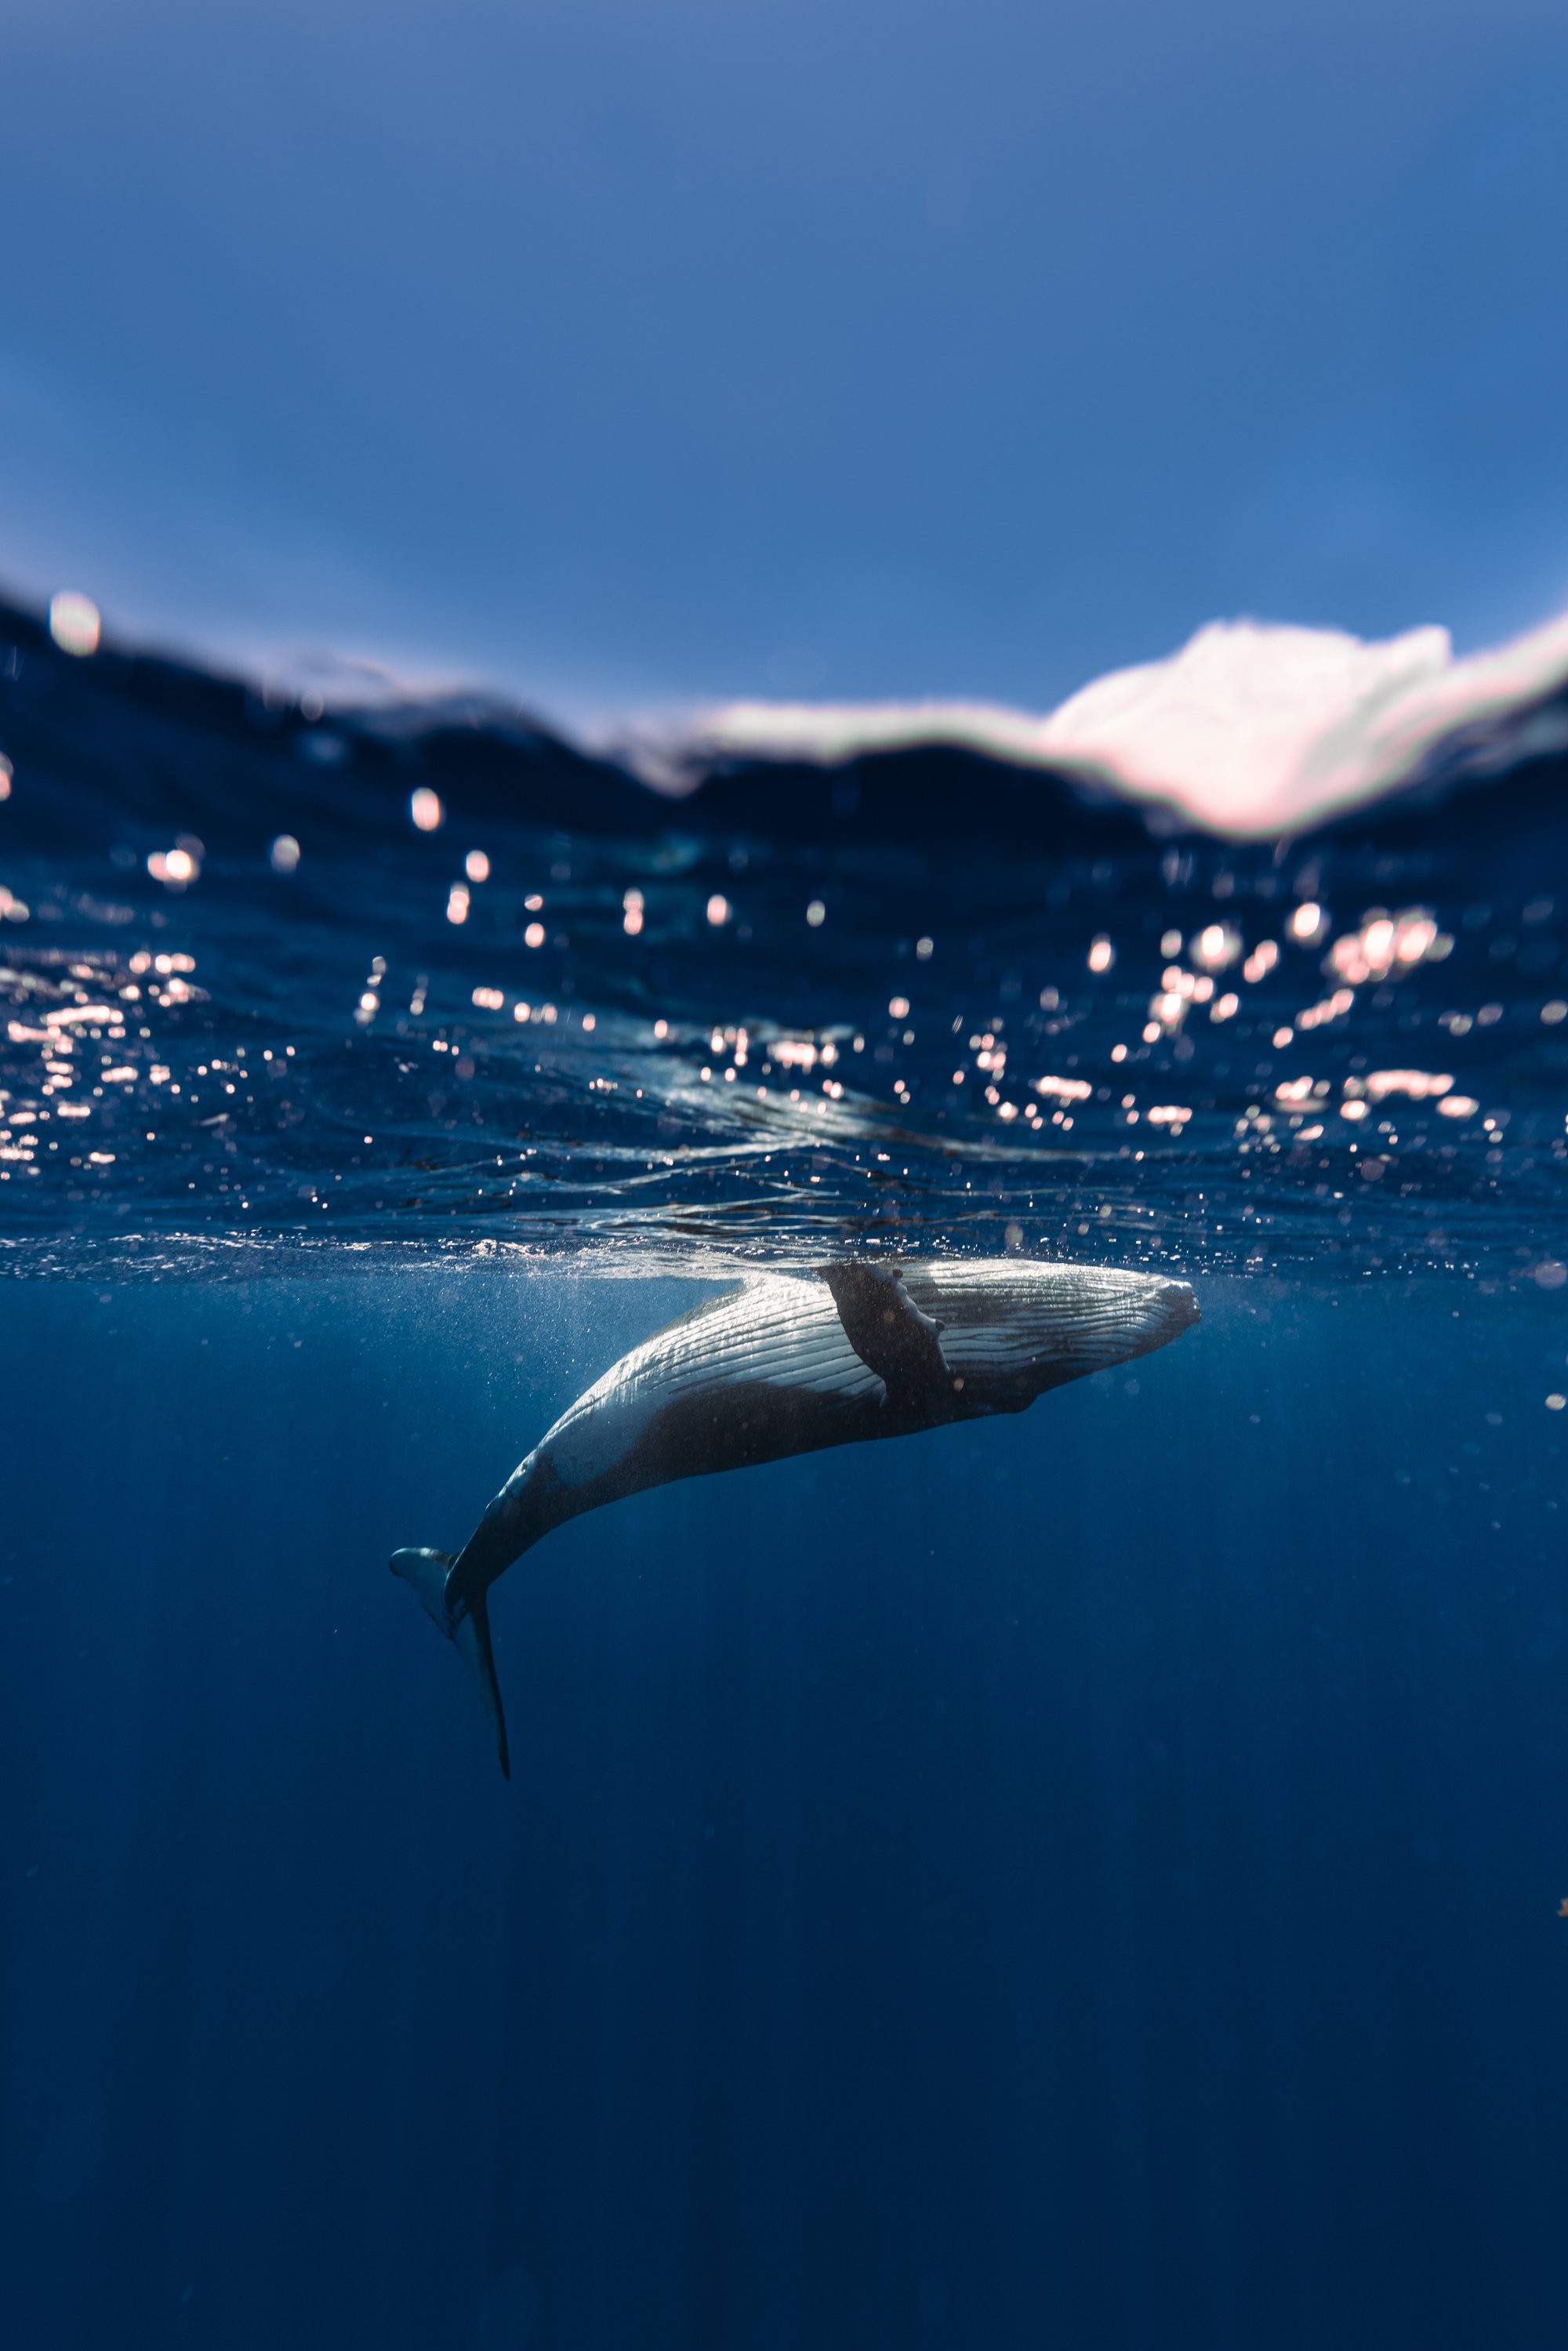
{"points": [[785, 1364]]}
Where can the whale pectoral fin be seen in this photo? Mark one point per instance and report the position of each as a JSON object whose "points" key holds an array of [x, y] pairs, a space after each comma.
{"points": [[467, 1628], [891, 1334]]}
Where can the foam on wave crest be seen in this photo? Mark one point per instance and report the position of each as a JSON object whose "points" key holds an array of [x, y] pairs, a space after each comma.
{"points": [[1250, 731]]}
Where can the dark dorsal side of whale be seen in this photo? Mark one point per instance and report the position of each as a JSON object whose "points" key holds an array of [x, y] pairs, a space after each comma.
{"points": [[696, 1436]]}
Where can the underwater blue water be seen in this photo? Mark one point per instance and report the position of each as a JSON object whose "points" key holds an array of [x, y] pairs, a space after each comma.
{"points": [[1084, 1879]]}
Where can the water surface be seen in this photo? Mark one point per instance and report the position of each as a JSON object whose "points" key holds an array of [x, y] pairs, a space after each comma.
{"points": [[1089, 1878]]}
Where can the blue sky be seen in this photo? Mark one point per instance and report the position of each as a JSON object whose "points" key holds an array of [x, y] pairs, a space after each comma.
{"points": [[626, 353]]}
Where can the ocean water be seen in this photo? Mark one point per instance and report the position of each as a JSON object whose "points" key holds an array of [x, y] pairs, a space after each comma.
{"points": [[1089, 1878]]}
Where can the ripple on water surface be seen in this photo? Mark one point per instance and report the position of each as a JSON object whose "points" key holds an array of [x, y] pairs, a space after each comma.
{"points": [[273, 982]]}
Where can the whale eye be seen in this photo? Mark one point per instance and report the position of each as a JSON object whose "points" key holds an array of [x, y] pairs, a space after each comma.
{"points": [[956, 1385], [888, 1313]]}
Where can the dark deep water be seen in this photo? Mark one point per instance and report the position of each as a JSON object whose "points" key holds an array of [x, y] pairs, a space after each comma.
{"points": [[1088, 1879]]}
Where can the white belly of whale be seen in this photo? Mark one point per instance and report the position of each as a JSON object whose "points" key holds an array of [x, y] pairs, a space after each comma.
{"points": [[781, 1332]]}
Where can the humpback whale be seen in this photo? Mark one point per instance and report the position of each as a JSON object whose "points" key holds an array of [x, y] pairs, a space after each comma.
{"points": [[790, 1363]]}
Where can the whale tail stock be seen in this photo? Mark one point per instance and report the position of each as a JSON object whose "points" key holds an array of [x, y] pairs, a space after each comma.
{"points": [[466, 1626]]}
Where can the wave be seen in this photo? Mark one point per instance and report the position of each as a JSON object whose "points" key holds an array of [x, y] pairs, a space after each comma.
{"points": [[414, 975], [1250, 731]]}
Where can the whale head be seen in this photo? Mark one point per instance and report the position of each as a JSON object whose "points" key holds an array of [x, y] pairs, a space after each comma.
{"points": [[1098, 1316], [1025, 1327]]}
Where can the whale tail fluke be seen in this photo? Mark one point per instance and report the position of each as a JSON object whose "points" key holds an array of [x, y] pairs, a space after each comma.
{"points": [[467, 1628]]}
